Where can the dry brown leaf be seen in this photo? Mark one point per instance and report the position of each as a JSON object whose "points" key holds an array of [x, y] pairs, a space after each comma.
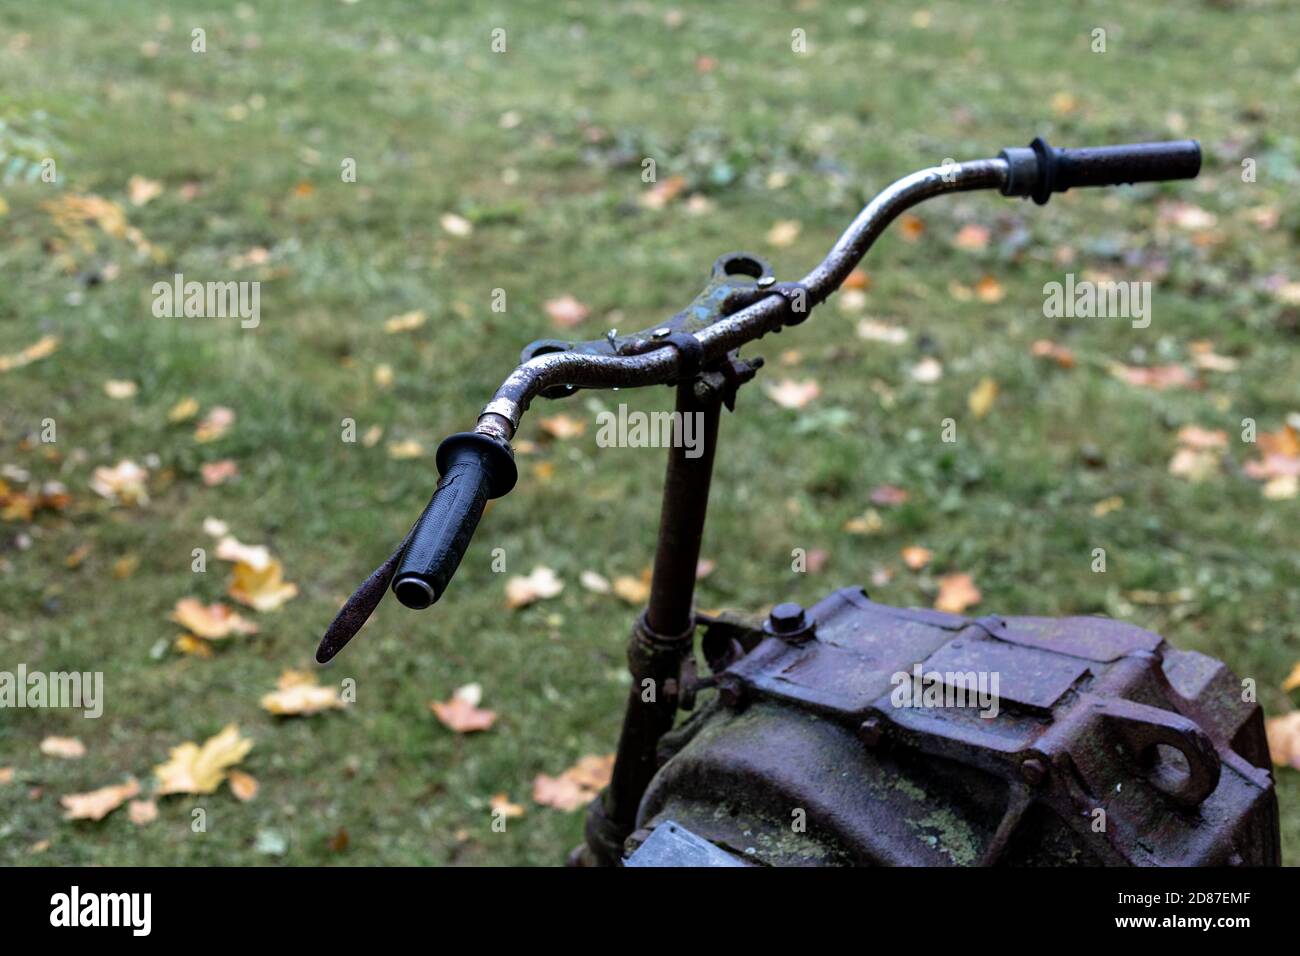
{"points": [[957, 592], [575, 787], [523, 590], [566, 311], [857, 279], [97, 804], [195, 769], [791, 394], [916, 557], [69, 748], [210, 621], [461, 712], [242, 785]]}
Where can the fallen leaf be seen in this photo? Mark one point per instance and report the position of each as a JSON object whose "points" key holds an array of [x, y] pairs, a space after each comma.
{"points": [[816, 559], [383, 375], [957, 592], [633, 590], [339, 841], [242, 785], [78, 556], [6, 775], [69, 748], [1193, 436], [41, 348], [218, 472], [233, 550], [461, 712], [869, 522], [1194, 464], [120, 388], [988, 289], [124, 483], [888, 496], [210, 621], [981, 398], [125, 566], [539, 585], [262, 590], [562, 426], [1281, 488], [927, 371], [910, 227], [1107, 505], [1064, 103], [1204, 357], [575, 787], [195, 769], [183, 411], [1158, 377], [876, 331], [663, 192], [971, 237], [142, 812], [783, 233], [566, 311], [1293, 679], [916, 557], [215, 424], [406, 322], [857, 279], [500, 803], [456, 225], [594, 582], [1283, 735], [403, 450], [193, 646], [141, 190], [791, 394], [1045, 348], [97, 804]]}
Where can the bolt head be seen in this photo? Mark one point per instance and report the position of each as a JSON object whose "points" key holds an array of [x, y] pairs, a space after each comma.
{"points": [[786, 617], [1033, 772], [869, 731], [766, 282]]}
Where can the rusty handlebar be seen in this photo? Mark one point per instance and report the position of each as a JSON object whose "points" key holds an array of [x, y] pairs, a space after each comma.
{"points": [[479, 465]]}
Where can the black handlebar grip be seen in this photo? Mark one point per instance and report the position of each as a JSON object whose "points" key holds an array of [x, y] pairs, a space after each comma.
{"points": [[473, 468], [1038, 170]]}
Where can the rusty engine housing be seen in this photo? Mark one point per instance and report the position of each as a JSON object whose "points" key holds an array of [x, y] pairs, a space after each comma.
{"points": [[1109, 747]]}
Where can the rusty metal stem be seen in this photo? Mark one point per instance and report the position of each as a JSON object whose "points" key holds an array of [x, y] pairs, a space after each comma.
{"points": [[657, 656]]}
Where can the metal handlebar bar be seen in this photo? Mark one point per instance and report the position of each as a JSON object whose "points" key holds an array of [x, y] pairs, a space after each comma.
{"points": [[475, 466]]}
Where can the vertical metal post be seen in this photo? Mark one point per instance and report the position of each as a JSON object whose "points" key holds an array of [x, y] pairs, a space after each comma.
{"points": [[665, 635]]}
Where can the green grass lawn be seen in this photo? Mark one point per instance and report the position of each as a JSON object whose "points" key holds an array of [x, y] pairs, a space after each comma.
{"points": [[540, 148]]}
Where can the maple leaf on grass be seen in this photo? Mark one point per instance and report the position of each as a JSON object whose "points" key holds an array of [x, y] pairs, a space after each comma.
{"points": [[539, 585], [575, 787], [462, 713], [69, 748], [261, 589], [957, 592], [210, 621], [195, 769], [298, 695], [1283, 735], [97, 804]]}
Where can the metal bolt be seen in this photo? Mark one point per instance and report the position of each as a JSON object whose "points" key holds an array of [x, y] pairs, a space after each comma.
{"points": [[869, 731], [660, 332], [731, 692], [786, 617], [766, 282], [1033, 772]]}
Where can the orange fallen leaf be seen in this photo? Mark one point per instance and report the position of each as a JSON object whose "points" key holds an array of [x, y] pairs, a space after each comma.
{"points": [[218, 472], [663, 192], [242, 785], [916, 557], [41, 348], [575, 787], [97, 804], [406, 322], [566, 311], [500, 803], [633, 590], [911, 227], [1283, 735], [857, 279], [1194, 436], [1157, 377], [1293, 679], [215, 424], [971, 237], [888, 495], [562, 426], [142, 812], [194, 769], [988, 289], [298, 695], [210, 621], [1045, 348], [957, 592], [461, 712]]}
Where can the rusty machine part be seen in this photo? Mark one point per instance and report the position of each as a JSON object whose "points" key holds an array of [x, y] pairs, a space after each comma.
{"points": [[1094, 742]]}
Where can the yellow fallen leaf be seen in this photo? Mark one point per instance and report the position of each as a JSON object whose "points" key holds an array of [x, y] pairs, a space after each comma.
{"points": [[302, 698], [120, 388], [125, 566], [596, 583], [406, 322], [1194, 464], [927, 371], [262, 590], [69, 748], [124, 483], [235, 551], [97, 804], [141, 812], [1293, 679], [916, 557], [402, 450], [6, 775], [462, 713], [981, 398], [1107, 505], [41, 348], [211, 621], [195, 769], [575, 787], [193, 646], [1283, 735], [957, 592], [536, 586], [500, 803], [1281, 488], [242, 785], [791, 394], [141, 190], [562, 426], [183, 411], [633, 590]]}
